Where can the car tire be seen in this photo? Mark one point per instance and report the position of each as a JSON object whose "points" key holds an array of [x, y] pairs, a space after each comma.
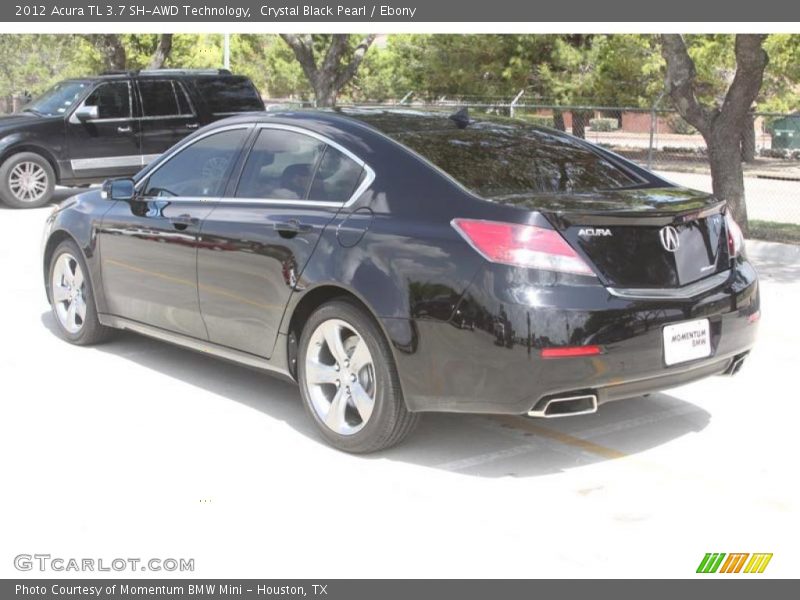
{"points": [[69, 289], [27, 180], [364, 412]]}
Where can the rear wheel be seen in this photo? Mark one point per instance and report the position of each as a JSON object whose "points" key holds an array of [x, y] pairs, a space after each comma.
{"points": [[72, 297], [349, 382], [26, 180]]}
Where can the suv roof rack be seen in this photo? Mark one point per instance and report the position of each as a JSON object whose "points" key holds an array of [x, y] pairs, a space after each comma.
{"points": [[170, 72]]}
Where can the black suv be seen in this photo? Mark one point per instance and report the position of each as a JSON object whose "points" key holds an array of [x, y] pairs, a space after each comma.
{"points": [[84, 130]]}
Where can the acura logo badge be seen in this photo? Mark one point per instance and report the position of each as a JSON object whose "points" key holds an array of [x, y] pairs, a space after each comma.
{"points": [[669, 238]]}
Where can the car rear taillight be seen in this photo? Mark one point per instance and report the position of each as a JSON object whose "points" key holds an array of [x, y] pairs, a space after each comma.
{"points": [[522, 246], [735, 237]]}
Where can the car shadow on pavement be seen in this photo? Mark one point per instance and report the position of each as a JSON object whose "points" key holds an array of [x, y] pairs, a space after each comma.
{"points": [[476, 445]]}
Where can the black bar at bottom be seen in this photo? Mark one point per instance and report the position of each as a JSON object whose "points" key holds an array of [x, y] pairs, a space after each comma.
{"points": [[730, 587]]}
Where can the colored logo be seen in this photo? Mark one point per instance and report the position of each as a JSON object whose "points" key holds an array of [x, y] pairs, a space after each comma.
{"points": [[740, 562]]}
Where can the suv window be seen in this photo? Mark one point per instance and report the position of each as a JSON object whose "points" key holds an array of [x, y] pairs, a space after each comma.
{"points": [[112, 99], [280, 166], [199, 170], [58, 99], [161, 98], [228, 95]]}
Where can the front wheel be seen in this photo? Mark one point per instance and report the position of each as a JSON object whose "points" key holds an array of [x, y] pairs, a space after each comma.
{"points": [[349, 382], [27, 180]]}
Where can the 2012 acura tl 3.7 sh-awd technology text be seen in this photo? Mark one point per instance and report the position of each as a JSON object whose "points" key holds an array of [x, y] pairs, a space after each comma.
{"points": [[394, 262]]}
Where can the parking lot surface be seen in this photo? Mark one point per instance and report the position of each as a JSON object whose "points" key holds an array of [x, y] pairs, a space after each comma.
{"points": [[140, 449]]}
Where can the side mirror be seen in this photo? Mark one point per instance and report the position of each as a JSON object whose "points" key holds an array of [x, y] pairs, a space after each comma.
{"points": [[87, 113], [119, 189]]}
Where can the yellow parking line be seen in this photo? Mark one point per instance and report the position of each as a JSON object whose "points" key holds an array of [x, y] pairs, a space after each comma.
{"points": [[565, 438]]}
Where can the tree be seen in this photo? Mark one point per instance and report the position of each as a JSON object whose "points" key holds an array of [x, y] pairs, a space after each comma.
{"points": [[131, 51], [112, 50], [721, 126], [338, 66], [30, 63], [567, 76], [162, 51]]}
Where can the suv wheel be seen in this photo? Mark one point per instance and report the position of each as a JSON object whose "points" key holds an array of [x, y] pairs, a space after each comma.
{"points": [[72, 298], [349, 382], [26, 180]]}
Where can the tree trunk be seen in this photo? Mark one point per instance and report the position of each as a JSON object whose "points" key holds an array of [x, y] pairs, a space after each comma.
{"points": [[749, 140], [324, 94], [162, 51], [724, 128], [727, 175], [580, 118], [558, 120], [328, 78], [111, 49]]}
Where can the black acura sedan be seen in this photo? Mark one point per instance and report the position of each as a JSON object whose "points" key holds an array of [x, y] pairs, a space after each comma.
{"points": [[394, 262]]}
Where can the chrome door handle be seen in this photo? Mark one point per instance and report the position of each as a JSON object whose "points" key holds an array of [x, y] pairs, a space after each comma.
{"points": [[192, 126], [292, 227], [181, 222], [124, 129]]}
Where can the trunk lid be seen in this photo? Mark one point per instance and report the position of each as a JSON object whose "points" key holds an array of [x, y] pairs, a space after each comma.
{"points": [[640, 238]]}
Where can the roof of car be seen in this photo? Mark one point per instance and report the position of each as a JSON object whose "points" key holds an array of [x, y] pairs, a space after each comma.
{"points": [[158, 73], [398, 121]]}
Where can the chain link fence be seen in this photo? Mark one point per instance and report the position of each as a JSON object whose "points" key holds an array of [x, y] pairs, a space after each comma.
{"points": [[659, 139]]}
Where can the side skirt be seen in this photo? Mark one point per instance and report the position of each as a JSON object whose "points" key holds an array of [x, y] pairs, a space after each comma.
{"points": [[273, 367]]}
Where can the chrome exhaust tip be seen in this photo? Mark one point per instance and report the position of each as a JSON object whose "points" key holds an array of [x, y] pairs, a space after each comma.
{"points": [[564, 406], [736, 364]]}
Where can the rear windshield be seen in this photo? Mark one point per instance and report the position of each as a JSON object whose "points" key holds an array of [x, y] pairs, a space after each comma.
{"points": [[229, 95], [507, 158]]}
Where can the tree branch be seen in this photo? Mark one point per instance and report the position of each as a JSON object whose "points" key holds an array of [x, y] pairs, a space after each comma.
{"points": [[751, 60], [333, 55], [111, 47], [680, 82], [303, 48], [162, 51], [358, 55]]}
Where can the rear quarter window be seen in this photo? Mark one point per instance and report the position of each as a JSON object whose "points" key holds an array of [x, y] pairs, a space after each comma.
{"points": [[495, 161], [497, 156], [228, 95]]}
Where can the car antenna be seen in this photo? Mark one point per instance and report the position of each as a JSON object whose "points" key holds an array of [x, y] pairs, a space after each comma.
{"points": [[461, 118]]}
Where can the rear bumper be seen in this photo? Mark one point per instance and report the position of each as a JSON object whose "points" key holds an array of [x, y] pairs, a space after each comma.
{"points": [[487, 357]]}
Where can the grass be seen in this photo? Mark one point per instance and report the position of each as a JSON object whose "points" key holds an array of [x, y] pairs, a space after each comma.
{"points": [[774, 232]]}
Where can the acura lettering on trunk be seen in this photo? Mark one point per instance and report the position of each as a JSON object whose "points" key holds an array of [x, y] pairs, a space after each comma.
{"points": [[397, 262]]}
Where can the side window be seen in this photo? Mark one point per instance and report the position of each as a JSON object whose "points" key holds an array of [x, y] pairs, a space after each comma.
{"points": [[228, 94], [280, 166], [159, 98], [184, 106], [337, 177], [199, 170], [113, 100]]}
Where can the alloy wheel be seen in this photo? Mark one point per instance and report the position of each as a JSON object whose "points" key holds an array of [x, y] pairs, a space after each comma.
{"points": [[68, 289], [340, 377], [28, 182]]}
